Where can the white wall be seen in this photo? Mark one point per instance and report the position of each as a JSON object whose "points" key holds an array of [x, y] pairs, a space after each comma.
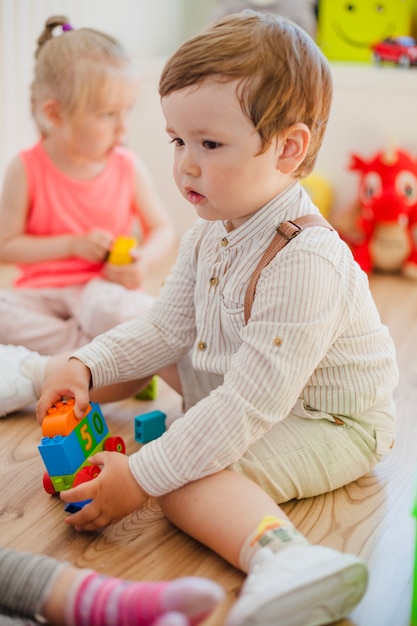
{"points": [[373, 107]]}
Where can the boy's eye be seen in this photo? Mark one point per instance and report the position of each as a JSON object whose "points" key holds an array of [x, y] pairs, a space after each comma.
{"points": [[177, 141], [210, 145]]}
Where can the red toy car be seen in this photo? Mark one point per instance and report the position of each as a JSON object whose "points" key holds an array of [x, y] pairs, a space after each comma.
{"points": [[400, 50]]}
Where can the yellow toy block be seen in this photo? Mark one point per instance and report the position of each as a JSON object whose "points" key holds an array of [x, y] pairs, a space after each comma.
{"points": [[120, 252]]}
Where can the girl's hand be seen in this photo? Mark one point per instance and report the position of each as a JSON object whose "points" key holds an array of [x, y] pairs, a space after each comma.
{"points": [[93, 246], [72, 380], [129, 275], [114, 493]]}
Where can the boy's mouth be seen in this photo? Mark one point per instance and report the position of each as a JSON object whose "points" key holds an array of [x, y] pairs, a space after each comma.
{"points": [[193, 196]]}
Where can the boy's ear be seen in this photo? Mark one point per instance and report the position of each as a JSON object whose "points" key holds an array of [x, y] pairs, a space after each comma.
{"points": [[52, 111], [294, 143]]}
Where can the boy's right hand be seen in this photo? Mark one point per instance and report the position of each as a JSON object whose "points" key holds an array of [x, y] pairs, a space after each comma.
{"points": [[93, 246], [72, 380]]}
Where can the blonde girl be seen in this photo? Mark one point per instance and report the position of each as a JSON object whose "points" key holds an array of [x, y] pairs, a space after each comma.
{"points": [[68, 197]]}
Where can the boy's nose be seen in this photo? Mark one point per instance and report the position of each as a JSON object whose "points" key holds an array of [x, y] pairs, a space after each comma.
{"points": [[188, 165]]}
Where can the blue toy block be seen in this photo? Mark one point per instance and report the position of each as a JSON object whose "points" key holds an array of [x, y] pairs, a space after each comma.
{"points": [[149, 426], [74, 507], [61, 455]]}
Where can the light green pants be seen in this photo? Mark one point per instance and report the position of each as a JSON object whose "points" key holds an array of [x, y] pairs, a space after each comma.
{"points": [[309, 452]]}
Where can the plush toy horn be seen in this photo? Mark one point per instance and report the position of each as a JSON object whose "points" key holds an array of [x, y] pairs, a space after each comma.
{"points": [[357, 163], [390, 156]]}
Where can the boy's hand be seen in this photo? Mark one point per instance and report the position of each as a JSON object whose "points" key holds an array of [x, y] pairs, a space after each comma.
{"points": [[114, 493], [72, 380]]}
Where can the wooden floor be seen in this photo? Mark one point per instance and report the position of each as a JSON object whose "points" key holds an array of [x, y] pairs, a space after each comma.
{"points": [[371, 517]]}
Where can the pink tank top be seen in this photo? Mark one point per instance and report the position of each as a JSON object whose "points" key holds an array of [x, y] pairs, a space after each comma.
{"points": [[61, 205]]}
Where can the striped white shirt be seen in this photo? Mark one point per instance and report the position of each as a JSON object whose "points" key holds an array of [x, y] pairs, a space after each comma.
{"points": [[314, 334]]}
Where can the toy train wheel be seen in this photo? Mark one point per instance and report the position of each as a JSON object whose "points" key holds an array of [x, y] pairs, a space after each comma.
{"points": [[47, 485], [86, 474], [115, 444]]}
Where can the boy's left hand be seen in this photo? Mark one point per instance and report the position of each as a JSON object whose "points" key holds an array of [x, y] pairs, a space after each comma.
{"points": [[114, 493]]}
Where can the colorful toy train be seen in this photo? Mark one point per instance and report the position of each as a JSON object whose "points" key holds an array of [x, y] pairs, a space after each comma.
{"points": [[67, 443]]}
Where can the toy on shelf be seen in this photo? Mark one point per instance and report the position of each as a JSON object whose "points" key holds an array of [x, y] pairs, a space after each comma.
{"points": [[149, 426], [399, 50], [383, 233], [67, 443], [120, 251], [320, 192], [346, 30]]}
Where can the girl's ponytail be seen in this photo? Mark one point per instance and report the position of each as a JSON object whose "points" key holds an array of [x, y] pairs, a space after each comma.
{"points": [[48, 31]]}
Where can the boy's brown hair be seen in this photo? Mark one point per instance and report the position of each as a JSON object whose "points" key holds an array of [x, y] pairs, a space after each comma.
{"points": [[284, 77]]}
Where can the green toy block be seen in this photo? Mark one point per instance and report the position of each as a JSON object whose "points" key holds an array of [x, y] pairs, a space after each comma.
{"points": [[149, 426], [346, 30], [150, 392], [414, 592]]}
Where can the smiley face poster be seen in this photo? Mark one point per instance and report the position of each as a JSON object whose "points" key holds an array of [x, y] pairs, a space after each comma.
{"points": [[346, 29]]}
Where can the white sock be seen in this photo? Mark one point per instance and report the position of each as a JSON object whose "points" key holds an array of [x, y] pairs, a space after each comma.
{"points": [[274, 533], [34, 368]]}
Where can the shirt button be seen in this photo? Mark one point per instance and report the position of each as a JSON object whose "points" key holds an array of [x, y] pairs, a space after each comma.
{"points": [[202, 345], [277, 341], [224, 242], [214, 281]]}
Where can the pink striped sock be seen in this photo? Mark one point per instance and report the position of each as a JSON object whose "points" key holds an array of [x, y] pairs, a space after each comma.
{"points": [[106, 601]]}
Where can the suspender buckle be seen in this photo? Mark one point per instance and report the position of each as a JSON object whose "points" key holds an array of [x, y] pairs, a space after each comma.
{"points": [[288, 229]]}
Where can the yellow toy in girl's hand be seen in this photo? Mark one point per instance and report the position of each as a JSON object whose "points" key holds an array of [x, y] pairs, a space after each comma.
{"points": [[120, 252]]}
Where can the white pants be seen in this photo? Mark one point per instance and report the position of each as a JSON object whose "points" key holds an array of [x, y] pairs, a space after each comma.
{"points": [[55, 320]]}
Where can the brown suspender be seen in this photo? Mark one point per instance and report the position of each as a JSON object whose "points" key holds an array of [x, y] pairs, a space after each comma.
{"points": [[285, 232]]}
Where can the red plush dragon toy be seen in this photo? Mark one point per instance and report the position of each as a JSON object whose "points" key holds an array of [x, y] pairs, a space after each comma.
{"points": [[384, 233]]}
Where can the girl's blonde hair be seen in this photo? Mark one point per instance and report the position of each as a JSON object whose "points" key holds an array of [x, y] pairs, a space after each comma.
{"points": [[283, 76], [73, 68]]}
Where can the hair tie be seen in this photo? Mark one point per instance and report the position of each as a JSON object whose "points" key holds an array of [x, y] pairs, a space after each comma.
{"points": [[66, 27]]}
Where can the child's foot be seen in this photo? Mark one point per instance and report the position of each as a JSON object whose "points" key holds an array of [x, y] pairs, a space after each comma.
{"points": [[308, 585], [104, 601], [171, 619], [192, 596], [16, 389]]}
